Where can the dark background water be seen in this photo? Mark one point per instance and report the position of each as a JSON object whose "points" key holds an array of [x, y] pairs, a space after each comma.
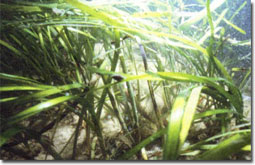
{"points": [[232, 56], [242, 19]]}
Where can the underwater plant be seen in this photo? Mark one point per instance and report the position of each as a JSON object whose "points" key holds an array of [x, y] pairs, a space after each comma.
{"points": [[124, 80]]}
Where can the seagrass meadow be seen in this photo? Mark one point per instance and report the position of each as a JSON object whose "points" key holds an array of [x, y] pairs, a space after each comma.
{"points": [[125, 80]]}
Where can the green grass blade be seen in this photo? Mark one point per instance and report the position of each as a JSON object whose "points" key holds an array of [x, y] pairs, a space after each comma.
{"points": [[212, 112], [10, 47], [142, 144], [19, 88], [229, 146], [81, 32], [6, 135], [245, 79], [45, 93], [209, 18], [20, 79], [171, 146], [197, 145], [246, 148], [3, 100], [14, 77], [150, 14], [234, 26], [237, 11], [189, 113], [19, 8], [222, 69], [38, 108], [208, 146]]}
